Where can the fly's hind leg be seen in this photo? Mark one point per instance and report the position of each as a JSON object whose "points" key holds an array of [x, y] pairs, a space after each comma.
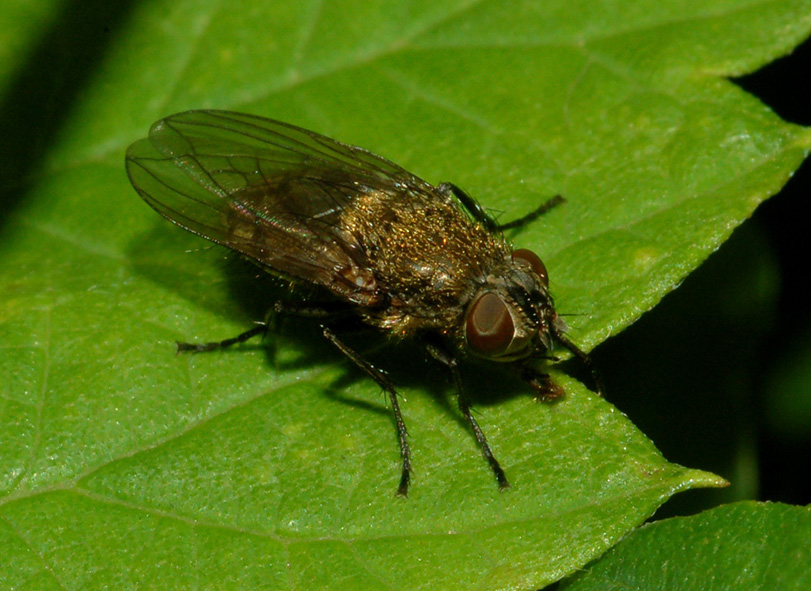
{"points": [[280, 308], [439, 353], [260, 328], [485, 219], [378, 376]]}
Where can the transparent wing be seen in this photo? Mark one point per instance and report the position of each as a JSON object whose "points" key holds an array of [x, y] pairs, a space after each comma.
{"points": [[271, 191]]}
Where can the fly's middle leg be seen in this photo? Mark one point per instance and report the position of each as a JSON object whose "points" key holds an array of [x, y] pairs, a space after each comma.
{"points": [[378, 376]]}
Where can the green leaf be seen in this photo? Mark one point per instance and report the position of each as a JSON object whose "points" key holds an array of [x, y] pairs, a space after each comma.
{"points": [[124, 465], [739, 546]]}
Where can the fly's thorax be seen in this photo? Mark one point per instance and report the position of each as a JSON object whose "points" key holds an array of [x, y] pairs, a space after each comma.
{"points": [[512, 315], [424, 253]]}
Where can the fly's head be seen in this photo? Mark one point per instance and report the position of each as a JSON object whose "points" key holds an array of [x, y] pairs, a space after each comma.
{"points": [[512, 316]]}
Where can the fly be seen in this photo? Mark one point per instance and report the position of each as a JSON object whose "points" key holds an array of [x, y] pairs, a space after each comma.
{"points": [[383, 246]]}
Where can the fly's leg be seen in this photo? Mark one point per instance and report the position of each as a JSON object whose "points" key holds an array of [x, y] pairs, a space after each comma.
{"points": [[327, 310], [474, 207], [533, 215], [323, 310], [585, 360], [546, 390], [448, 361], [378, 376], [485, 219], [260, 328]]}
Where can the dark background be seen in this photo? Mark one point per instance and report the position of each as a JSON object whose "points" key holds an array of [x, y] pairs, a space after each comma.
{"points": [[786, 87], [704, 374]]}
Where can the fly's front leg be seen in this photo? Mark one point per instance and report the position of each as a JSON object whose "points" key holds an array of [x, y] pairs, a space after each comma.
{"points": [[438, 353], [585, 359], [546, 390], [378, 376], [485, 219]]}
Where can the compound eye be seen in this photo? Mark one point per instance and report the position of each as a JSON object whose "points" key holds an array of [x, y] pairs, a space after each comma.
{"points": [[489, 329], [535, 262]]}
